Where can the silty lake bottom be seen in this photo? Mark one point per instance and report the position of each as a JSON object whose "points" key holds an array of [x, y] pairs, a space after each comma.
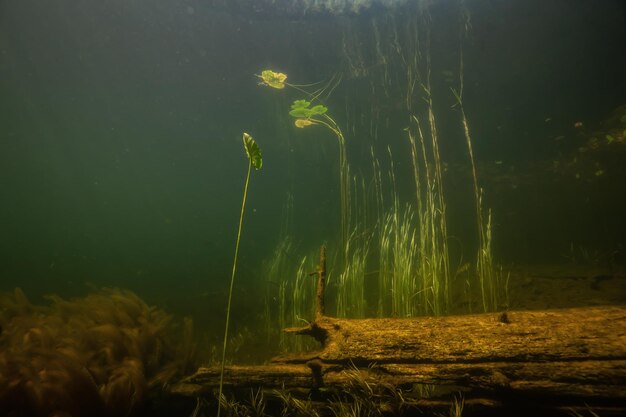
{"points": [[462, 162]]}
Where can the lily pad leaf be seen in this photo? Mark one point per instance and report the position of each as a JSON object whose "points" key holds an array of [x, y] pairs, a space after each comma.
{"points": [[300, 112], [319, 109], [274, 79], [301, 109], [302, 123], [300, 104], [253, 151]]}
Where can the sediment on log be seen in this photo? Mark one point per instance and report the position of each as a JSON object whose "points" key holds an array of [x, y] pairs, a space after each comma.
{"points": [[553, 358], [524, 336], [547, 362]]}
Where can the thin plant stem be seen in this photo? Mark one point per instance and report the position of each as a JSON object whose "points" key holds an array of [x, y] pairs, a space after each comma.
{"points": [[230, 290], [344, 174], [484, 263], [344, 180]]}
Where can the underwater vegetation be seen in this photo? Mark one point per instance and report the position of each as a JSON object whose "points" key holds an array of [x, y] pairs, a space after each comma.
{"points": [[393, 256], [307, 115], [361, 396], [100, 355], [255, 159]]}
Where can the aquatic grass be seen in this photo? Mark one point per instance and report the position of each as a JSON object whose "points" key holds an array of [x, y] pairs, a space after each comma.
{"points": [[413, 272], [433, 264], [302, 302], [278, 288], [289, 296], [358, 398], [385, 266], [404, 263], [350, 298], [403, 249], [276, 269], [296, 306], [282, 312], [433, 272], [435, 232], [292, 406], [589, 412], [257, 403], [384, 232], [398, 253], [485, 268], [456, 408], [405, 245], [232, 407]]}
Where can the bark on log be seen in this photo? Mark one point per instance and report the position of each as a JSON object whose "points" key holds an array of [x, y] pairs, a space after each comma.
{"points": [[528, 336], [557, 358], [587, 379]]}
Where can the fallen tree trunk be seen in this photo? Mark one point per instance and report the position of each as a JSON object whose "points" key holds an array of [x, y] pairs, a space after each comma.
{"points": [[586, 379], [516, 363], [528, 336], [554, 358]]}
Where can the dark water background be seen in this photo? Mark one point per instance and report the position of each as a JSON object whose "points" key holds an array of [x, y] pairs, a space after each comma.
{"points": [[120, 136]]}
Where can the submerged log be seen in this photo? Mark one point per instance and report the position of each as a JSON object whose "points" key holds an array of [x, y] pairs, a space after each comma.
{"points": [[521, 336], [556, 358], [513, 362]]}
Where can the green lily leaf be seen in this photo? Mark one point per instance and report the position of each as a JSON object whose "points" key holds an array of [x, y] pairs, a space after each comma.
{"points": [[319, 109], [300, 104], [273, 79], [253, 151], [300, 112], [300, 109]]}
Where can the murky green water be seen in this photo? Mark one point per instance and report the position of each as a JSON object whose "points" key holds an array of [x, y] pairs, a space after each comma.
{"points": [[122, 163]]}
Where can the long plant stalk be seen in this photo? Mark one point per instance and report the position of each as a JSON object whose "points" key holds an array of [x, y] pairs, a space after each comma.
{"points": [[440, 211], [254, 159], [434, 265], [344, 180], [484, 262], [230, 290], [307, 116]]}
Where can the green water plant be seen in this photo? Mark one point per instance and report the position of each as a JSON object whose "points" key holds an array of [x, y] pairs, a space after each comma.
{"points": [[307, 115], [310, 112], [273, 79], [488, 277], [255, 159], [301, 109]]}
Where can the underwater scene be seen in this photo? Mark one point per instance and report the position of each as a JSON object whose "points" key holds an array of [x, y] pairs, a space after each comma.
{"points": [[312, 208]]}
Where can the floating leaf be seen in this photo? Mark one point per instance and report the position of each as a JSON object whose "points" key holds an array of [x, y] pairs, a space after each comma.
{"points": [[300, 104], [253, 151], [301, 123], [300, 112], [274, 79], [300, 109], [319, 109]]}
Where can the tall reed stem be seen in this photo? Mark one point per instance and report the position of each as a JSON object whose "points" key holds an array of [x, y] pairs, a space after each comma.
{"points": [[230, 290], [484, 261]]}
